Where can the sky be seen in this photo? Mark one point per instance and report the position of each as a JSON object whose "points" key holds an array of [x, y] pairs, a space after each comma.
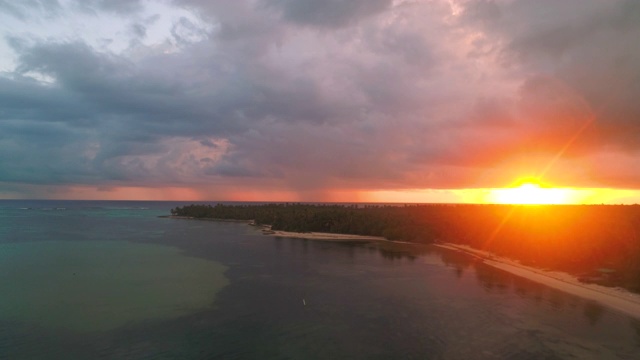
{"points": [[317, 100]]}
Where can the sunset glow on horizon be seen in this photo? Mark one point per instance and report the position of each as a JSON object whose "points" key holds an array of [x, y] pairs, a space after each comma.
{"points": [[526, 191], [523, 192]]}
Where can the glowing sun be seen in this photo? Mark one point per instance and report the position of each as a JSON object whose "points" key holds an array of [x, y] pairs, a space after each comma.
{"points": [[531, 194]]}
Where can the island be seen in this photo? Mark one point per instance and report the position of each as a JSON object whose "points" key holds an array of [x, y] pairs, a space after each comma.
{"points": [[591, 251]]}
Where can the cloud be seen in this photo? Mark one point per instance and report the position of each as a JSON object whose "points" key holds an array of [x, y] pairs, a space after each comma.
{"points": [[139, 30], [327, 13], [23, 9], [311, 96], [587, 46], [123, 7]]}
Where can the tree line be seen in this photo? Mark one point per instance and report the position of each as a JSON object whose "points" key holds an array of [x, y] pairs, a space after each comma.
{"points": [[574, 238]]}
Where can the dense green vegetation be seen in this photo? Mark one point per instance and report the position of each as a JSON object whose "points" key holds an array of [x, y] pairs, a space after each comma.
{"points": [[602, 240]]}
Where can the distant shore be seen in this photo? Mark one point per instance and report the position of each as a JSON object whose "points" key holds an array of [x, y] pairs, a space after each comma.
{"points": [[618, 299]]}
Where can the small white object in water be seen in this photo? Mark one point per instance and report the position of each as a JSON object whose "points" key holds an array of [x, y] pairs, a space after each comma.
{"points": [[304, 302]]}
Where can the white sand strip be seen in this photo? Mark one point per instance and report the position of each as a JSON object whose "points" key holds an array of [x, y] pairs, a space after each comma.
{"points": [[324, 236], [614, 298]]}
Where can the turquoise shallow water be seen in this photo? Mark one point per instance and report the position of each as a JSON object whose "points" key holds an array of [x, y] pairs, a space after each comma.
{"points": [[102, 285], [111, 280]]}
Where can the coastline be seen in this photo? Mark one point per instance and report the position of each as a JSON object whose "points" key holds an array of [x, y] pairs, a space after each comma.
{"points": [[204, 219], [323, 236], [617, 299]]}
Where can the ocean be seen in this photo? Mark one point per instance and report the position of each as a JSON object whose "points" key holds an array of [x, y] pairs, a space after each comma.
{"points": [[114, 280]]}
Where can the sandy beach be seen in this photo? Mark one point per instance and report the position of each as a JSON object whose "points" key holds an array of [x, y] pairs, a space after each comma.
{"points": [[323, 236], [618, 299], [204, 219]]}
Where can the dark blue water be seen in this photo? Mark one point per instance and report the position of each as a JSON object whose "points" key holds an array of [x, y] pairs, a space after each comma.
{"points": [[112, 280]]}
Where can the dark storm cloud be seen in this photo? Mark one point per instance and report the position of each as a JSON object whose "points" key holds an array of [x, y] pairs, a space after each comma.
{"points": [[125, 109], [139, 29], [25, 98], [322, 94], [111, 87], [42, 153], [580, 66], [328, 13], [103, 110], [588, 47]]}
